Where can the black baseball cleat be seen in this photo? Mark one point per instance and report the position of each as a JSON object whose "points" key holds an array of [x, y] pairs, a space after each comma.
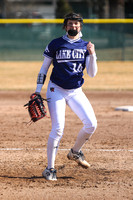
{"points": [[50, 174], [79, 158]]}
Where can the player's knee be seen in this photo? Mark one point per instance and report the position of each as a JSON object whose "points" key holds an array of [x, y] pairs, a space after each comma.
{"points": [[90, 128], [59, 131], [56, 133]]}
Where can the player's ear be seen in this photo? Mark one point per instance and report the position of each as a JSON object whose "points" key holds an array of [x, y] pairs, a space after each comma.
{"points": [[65, 27]]}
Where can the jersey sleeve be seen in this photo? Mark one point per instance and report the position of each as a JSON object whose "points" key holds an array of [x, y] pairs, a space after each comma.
{"points": [[87, 53], [49, 51]]}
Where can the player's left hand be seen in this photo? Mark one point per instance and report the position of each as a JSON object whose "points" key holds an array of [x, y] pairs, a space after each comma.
{"points": [[36, 107], [91, 48]]}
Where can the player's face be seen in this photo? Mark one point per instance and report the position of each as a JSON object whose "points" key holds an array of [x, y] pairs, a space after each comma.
{"points": [[73, 25]]}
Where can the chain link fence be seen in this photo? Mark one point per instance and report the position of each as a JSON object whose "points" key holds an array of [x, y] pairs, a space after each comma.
{"points": [[27, 41]]}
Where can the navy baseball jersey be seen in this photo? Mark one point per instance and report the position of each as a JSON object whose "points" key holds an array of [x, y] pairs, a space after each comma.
{"points": [[68, 61]]}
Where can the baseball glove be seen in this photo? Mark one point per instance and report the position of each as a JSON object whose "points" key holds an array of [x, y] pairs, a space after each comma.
{"points": [[36, 107]]}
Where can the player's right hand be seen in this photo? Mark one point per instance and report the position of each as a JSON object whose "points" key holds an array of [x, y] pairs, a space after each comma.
{"points": [[91, 48]]}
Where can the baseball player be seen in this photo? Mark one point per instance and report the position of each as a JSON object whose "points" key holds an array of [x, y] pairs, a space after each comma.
{"points": [[70, 55]]}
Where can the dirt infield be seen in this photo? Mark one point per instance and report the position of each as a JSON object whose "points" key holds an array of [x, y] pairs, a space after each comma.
{"points": [[109, 151]]}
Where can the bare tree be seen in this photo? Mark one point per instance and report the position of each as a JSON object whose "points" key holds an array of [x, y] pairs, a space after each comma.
{"points": [[116, 8]]}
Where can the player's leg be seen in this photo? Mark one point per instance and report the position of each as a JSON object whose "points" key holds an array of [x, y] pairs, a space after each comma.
{"points": [[57, 106], [83, 109]]}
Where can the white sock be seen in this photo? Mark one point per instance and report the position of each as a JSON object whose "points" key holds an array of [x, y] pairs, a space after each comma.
{"points": [[81, 139], [52, 148]]}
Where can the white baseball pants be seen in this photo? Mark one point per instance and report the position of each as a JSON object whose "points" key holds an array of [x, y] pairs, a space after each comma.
{"points": [[80, 105]]}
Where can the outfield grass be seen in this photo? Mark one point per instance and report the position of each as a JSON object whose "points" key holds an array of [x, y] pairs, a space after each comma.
{"points": [[112, 75]]}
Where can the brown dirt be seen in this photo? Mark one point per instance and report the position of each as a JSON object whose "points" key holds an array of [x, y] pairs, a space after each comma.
{"points": [[110, 152]]}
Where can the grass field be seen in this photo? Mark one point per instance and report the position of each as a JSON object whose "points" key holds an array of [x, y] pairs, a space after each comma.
{"points": [[116, 75]]}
